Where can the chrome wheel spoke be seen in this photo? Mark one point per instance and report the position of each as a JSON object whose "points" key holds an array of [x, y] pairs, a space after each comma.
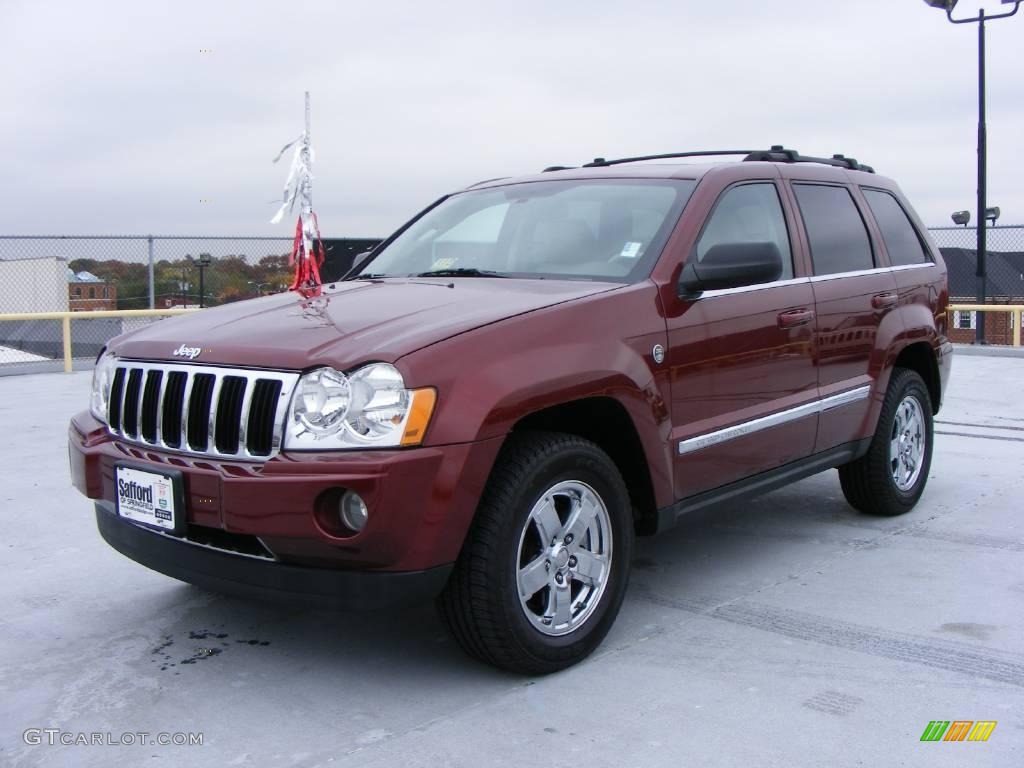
{"points": [[546, 518], [589, 568], [534, 577], [560, 606], [582, 515]]}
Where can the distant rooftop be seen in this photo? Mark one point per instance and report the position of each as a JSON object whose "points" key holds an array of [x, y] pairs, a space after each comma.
{"points": [[82, 277]]}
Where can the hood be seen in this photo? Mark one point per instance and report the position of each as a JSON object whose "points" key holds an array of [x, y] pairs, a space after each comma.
{"points": [[350, 323]]}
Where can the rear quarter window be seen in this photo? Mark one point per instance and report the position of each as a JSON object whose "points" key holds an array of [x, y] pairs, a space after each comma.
{"points": [[836, 232], [901, 239]]}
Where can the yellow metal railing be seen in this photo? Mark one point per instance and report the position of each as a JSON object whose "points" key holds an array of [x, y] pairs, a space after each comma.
{"points": [[1015, 318], [67, 317]]}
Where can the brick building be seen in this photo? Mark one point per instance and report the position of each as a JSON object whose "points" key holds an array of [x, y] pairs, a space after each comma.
{"points": [[87, 293], [1004, 282]]}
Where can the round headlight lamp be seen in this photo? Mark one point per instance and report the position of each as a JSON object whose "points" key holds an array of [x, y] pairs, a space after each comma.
{"points": [[380, 402], [322, 401]]}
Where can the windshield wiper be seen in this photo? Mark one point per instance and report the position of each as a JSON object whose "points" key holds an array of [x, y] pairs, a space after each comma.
{"points": [[460, 272], [367, 276]]}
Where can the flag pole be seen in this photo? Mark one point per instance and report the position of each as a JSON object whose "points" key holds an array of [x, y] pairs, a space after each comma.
{"points": [[307, 249]]}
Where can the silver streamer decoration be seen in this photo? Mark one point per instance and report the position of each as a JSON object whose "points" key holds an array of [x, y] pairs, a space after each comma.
{"points": [[299, 187]]}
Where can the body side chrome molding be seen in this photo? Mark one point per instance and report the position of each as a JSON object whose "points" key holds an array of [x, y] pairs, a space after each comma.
{"points": [[757, 287], [773, 420], [812, 279]]}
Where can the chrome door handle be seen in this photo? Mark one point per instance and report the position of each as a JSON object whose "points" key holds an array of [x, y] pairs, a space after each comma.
{"points": [[795, 317], [884, 300]]}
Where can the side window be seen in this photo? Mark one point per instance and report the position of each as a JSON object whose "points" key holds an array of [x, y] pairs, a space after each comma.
{"points": [[901, 239], [839, 240], [749, 213]]}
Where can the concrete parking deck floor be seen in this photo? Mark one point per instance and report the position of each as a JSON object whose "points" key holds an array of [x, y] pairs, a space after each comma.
{"points": [[784, 631]]}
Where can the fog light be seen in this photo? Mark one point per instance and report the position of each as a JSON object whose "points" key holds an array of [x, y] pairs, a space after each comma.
{"points": [[353, 511]]}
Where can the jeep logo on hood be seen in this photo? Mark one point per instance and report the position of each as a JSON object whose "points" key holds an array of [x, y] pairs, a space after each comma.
{"points": [[190, 352]]}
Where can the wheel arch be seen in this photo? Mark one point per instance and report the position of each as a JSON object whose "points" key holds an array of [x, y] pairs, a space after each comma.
{"points": [[605, 422], [919, 356]]}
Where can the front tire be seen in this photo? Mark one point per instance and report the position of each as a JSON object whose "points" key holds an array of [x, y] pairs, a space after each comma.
{"points": [[545, 565], [889, 479]]}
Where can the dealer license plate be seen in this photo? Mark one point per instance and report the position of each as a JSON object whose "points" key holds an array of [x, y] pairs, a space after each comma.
{"points": [[146, 497]]}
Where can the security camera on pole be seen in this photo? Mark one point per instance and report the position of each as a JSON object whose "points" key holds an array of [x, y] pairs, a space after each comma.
{"points": [[307, 249]]}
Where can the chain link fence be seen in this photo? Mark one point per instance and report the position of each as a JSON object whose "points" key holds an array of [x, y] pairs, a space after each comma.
{"points": [[40, 274], [1004, 279], [88, 273], [1004, 262]]}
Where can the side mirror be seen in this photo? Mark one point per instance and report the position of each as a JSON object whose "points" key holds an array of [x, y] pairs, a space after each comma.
{"points": [[730, 265]]}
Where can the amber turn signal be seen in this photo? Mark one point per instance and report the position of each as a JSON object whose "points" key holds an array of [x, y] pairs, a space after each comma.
{"points": [[419, 415]]}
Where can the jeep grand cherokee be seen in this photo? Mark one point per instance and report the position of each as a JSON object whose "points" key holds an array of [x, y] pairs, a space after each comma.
{"points": [[532, 371]]}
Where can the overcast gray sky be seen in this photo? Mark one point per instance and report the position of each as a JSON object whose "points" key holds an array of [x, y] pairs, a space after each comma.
{"points": [[115, 122]]}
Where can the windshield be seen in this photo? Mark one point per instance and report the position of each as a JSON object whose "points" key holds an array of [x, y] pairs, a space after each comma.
{"points": [[608, 229]]}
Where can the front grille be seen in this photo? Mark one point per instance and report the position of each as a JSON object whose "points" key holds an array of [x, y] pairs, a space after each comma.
{"points": [[200, 409]]}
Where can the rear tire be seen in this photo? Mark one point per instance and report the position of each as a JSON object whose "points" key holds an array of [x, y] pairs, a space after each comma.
{"points": [[889, 479], [545, 566]]}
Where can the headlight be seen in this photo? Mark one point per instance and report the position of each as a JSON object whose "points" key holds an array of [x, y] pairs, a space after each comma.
{"points": [[370, 408], [102, 377]]}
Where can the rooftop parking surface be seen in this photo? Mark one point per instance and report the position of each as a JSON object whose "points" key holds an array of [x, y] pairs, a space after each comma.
{"points": [[784, 631]]}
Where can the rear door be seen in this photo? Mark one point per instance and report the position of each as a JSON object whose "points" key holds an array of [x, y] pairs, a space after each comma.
{"points": [[854, 294], [912, 265], [742, 365]]}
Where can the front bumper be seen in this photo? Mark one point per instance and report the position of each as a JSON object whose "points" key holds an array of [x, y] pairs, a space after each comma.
{"points": [[249, 576], [421, 500]]}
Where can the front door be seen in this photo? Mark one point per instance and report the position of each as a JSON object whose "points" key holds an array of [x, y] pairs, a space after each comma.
{"points": [[744, 385]]}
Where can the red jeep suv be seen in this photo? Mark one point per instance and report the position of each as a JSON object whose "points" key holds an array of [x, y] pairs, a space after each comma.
{"points": [[500, 396]]}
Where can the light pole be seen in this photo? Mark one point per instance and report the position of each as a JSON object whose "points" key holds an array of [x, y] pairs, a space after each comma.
{"points": [[202, 262], [982, 17]]}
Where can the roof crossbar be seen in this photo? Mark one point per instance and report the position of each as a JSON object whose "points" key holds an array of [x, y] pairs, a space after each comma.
{"points": [[600, 162]]}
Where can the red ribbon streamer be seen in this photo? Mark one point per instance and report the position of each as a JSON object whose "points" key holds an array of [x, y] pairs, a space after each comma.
{"points": [[307, 265]]}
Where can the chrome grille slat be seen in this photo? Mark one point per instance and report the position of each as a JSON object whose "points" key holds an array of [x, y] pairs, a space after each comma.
{"points": [[268, 423], [186, 399], [140, 398], [148, 405], [132, 396], [116, 397], [124, 394], [160, 407], [243, 422], [211, 421]]}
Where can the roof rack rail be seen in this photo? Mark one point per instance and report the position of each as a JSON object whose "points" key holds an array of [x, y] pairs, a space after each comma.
{"points": [[777, 154], [600, 162]]}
